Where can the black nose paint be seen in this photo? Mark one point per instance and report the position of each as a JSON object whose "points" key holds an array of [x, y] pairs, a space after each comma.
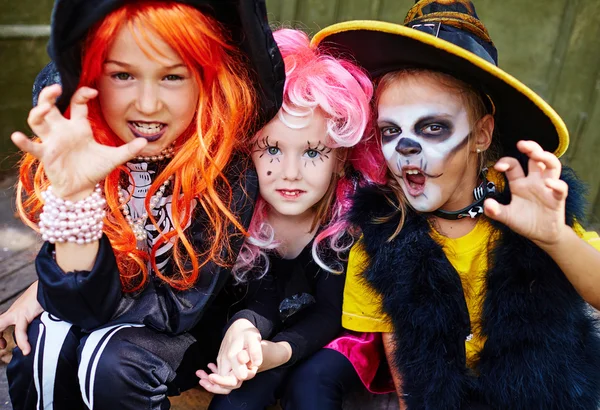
{"points": [[269, 173], [407, 146]]}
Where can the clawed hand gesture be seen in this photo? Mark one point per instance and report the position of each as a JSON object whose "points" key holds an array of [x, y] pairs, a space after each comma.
{"points": [[73, 161], [537, 207]]}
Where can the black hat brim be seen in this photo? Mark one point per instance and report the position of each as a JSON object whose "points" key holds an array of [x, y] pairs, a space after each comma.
{"points": [[380, 47]]}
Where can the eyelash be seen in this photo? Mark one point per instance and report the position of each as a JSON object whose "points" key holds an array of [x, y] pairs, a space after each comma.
{"points": [[387, 138], [384, 129], [321, 149], [397, 131], [117, 75], [174, 77], [265, 147], [427, 129]]}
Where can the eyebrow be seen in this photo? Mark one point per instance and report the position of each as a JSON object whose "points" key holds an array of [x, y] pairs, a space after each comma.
{"points": [[125, 65], [435, 117], [428, 117], [382, 121]]}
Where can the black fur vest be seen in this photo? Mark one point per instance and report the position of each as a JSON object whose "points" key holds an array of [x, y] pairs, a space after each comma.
{"points": [[542, 349]]}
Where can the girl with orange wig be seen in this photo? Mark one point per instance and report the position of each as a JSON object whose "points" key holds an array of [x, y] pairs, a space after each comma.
{"points": [[140, 192]]}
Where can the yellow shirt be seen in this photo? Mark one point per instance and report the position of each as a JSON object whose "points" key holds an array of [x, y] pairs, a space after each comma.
{"points": [[467, 254]]}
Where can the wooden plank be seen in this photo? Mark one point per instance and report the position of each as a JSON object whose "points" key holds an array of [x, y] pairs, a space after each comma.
{"points": [[394, 10], [24, 31], [364, 400], [358, 10], [194, 399], [199, 399], [288, 12], [577, 84], [25, 11], [6, 304], [316, 14], [274, 11], [525, 34], [4, 397], [17, 260], [17, 282], [561, 48], [23, 59]]}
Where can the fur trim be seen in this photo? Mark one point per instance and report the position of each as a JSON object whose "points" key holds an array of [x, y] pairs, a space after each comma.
{"points": [[542, 347]]}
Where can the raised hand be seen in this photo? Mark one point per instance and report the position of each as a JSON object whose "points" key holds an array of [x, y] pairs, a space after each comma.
{"points": [[21, 314], [537, 207], [73, 161]]}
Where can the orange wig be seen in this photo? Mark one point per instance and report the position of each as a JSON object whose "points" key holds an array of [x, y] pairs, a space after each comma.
{"points": [[225, 113]]}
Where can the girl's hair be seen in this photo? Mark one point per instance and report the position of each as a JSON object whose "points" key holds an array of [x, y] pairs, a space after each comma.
{"points": [[476, 109], [315, 80], [224, 113]]}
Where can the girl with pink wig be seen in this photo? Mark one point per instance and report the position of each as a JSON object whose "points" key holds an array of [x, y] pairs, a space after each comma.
{"points": [[293, 261]]}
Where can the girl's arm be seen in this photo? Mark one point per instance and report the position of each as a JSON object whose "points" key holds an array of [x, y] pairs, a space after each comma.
{"points": [[241, 353], [73, 163], [537, 212], [20, 314], [390, 347], [72, 160], [580, 262], [274, 354]]}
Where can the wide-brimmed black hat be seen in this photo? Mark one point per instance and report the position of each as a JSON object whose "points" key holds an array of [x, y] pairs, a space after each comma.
{"points": [[447, 36], [246, 20]]}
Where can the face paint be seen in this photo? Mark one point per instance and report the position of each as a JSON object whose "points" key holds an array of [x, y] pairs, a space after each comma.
{"points": [[424, 128], [300, 165]]}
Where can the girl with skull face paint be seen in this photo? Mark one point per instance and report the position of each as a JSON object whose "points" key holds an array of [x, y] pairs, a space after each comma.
{"points": [[292, 263], [142, 193], [476, 278]]}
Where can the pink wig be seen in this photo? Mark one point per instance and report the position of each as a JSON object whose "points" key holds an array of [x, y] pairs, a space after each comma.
{"points": [[343, 92]]}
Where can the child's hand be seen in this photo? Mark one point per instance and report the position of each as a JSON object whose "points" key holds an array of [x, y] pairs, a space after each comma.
{"points": [[240, 351], [73, 161], [20, 314], [217, 384], [537, 207]]}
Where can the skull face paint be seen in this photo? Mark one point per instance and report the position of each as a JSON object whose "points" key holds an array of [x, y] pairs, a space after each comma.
{"points": [[424, 127]]}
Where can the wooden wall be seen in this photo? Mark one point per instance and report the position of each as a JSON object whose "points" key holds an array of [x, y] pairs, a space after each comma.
{"points": [[551, 45]]}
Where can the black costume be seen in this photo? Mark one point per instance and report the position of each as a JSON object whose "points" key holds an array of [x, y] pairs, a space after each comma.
{"points": [[96, 346], [296, 302], [97, 319], [542, 348]]}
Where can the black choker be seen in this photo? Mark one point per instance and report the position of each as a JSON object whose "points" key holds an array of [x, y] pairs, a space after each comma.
{"points": [[485, 190]]}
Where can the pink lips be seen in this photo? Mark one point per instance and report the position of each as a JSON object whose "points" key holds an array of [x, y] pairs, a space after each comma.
{"points": [[148, 137], [290, 193]]}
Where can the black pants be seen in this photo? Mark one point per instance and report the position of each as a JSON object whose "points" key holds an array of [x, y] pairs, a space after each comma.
{"points": [[319, 382], [120, 367]]}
